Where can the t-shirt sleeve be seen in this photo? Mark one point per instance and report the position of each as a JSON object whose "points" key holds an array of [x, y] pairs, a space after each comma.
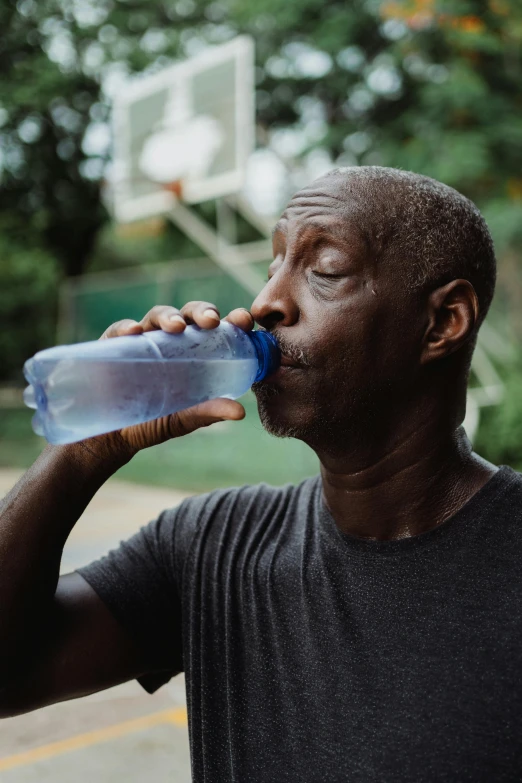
{"points": [[140, 583]]}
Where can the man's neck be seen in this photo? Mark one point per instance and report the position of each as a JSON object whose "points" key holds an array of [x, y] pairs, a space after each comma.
{"points": [[408, 490]]}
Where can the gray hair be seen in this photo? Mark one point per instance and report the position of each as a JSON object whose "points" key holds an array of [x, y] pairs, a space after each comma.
{"points": [[432, 232]]}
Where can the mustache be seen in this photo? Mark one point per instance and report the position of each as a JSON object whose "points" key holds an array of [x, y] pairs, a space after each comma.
{"points": [[293, 352]]}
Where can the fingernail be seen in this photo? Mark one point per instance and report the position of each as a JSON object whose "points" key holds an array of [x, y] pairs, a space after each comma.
{"points": [[177, 319], [211, 314]]}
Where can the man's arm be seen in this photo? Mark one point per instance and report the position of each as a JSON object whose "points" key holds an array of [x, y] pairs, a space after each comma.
{"points": [[82, 651], [58, 640]]}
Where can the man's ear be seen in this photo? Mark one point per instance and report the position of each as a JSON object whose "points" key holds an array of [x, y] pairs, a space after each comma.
{"points": [[453, 312]]}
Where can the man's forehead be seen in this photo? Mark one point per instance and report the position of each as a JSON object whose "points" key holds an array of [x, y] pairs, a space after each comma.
{"points": [[312, 220], [308, 223], [315, 201], [323, 207]]}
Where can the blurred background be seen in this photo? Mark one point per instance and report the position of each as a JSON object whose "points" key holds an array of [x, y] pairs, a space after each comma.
{"points": [[434, 87]]}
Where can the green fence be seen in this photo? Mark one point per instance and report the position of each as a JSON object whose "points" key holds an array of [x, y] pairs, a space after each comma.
{"points": [[90, 304]]}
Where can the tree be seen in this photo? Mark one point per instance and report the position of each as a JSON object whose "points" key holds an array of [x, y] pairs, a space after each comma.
{"points": [[28, 285], [45, 110], [423, 84]]}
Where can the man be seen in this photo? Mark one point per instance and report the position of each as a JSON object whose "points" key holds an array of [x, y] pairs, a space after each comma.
{"points": [[365, 625]]}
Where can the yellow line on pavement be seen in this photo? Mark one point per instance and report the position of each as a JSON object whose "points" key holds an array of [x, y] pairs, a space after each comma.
{"points": [[176, 716]]}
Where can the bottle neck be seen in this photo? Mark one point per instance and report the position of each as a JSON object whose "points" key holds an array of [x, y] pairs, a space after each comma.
{"points": [[267, 352]]}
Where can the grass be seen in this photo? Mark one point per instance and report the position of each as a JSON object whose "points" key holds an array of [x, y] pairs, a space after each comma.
{"points": [[223, 455]]}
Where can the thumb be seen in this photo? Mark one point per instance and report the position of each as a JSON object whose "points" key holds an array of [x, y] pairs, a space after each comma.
{"points": [[204, 414]]}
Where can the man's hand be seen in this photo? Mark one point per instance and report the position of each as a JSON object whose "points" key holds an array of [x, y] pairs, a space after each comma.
{"points": [[45, 630], [130, 440]]}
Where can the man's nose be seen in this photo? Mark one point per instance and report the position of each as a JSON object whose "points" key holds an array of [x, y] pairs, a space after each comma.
{"points": [[275, 304]]}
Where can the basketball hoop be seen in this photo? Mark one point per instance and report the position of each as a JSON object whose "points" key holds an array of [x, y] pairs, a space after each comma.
{"points": [[185, 132], [176, 188]]}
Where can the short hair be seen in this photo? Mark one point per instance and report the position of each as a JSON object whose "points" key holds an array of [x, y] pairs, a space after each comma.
{"points": [[433, 232]]}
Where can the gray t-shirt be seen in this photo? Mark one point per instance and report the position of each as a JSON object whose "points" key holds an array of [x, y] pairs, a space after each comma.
{"points": [[312, 656]]}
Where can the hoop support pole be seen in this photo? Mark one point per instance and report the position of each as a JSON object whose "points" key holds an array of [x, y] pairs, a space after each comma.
{"points": [[227, 256]]}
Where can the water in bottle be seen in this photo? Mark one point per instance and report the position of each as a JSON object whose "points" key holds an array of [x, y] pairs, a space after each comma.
{"points": [[90, 388]]}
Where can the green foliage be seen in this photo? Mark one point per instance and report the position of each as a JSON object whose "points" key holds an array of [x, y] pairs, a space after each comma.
{"points": [[45, 110], [499, 438], [28, 285]]}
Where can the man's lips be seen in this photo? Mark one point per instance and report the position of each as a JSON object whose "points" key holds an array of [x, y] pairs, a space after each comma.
{"points": [[286, 362], [287, 365]]}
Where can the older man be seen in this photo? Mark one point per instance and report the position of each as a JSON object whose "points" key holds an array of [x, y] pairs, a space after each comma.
{"points": [[365, 625]]}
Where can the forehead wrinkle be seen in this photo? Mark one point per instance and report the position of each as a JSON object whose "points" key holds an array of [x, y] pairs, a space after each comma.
{"points": [[338, 216], [337, 230], [313, 195], [314, 234], [306, 213], [320, 205], [311, 208]]}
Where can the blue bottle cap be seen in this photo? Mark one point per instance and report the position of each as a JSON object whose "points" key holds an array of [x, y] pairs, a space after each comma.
{"points": [[268, 353]]}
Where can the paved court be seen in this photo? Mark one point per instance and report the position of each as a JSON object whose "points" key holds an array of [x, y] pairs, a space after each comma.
{"points": [[120, 734]]}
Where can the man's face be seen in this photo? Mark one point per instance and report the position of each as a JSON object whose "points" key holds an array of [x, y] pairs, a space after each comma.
{"points": [[346, 322]]}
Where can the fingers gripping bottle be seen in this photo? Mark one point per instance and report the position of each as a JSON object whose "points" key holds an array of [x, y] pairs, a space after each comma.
{"points": [[91, 388]]}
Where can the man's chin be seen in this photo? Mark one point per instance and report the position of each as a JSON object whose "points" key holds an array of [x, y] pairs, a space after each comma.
{"points": [[302, 417], [279, 429], [271, 411]]}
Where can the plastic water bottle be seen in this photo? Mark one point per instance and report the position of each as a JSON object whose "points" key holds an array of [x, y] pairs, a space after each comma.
{"points": [[90, 388]]}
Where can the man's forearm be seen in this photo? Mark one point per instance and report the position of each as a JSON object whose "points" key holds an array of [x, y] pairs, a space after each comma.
{"points": [[36, 518]]}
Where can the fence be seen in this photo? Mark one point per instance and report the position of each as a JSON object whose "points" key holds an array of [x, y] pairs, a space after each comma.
{"points": [[89, 304]]}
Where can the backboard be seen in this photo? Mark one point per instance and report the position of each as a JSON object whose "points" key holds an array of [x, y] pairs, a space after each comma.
{"points": [[187, 130]]}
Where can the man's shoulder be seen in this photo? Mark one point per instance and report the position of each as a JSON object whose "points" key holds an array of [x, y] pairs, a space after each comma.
{"points": [[224, 513], [249, 500], [495, 514]]}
